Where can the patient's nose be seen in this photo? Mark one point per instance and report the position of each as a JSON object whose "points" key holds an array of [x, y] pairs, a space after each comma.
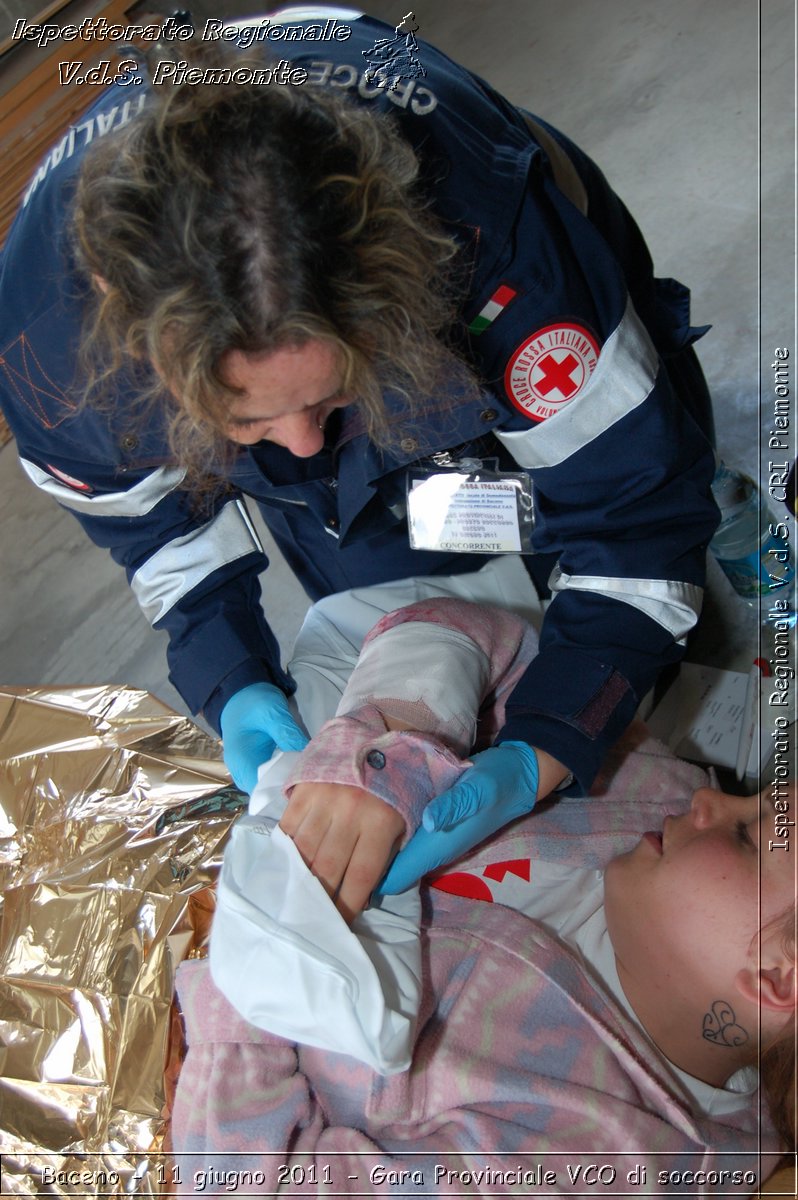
{"points": [[705, 806], [710, 807]]}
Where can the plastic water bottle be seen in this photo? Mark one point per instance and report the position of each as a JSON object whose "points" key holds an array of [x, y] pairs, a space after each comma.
{"points": [[751, 545]]}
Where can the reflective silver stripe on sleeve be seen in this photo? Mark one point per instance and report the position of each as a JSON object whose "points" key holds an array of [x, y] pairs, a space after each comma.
{"points": [[623, 378], [674, 606], [136, 502], [174, 570]]}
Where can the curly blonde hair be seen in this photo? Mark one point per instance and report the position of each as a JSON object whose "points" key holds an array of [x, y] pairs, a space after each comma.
{"points": [[251, 218]]}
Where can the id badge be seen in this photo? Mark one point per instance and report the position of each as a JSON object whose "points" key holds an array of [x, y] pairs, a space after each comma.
{"points": [[470, 509]]}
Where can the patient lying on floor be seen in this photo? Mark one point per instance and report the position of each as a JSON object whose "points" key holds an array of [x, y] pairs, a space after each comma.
{"points": [[626, 1015]]}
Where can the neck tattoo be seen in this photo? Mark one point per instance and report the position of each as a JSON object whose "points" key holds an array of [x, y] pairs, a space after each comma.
{"points": [[720, 1026]]}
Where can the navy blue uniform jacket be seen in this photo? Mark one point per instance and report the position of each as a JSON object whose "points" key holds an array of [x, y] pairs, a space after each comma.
{"points": [[588, 382]]}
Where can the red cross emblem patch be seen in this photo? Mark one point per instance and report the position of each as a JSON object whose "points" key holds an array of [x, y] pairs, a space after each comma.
{"points": [[550, 368]]}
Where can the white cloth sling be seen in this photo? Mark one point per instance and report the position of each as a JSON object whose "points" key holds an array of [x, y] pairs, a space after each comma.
{"points": [[288, 962]]}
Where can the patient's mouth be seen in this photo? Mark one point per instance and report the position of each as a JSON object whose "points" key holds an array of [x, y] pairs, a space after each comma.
{"points": [[654, 840]]}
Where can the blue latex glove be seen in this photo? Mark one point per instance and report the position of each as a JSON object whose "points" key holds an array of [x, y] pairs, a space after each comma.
{"points": [[501, 785], [255, 722]]}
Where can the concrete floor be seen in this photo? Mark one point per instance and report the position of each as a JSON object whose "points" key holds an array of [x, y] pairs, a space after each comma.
{"points": [[688, 107]]}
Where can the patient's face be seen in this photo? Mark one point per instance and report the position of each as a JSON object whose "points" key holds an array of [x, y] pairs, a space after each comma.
{"points": [[687, 906]]}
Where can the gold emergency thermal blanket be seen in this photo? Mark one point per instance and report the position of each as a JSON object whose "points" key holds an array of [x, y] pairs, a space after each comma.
{"points": [[113, 814]]}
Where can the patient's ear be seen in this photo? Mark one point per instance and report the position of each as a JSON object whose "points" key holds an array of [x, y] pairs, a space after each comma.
{"points": [[773, 987]]}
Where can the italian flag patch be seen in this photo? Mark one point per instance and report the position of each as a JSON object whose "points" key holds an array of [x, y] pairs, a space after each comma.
{"points": [[494, 308]]}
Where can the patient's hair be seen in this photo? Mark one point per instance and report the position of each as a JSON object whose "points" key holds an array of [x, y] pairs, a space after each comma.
{"points": [[243, 217], [777, 1061]]}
